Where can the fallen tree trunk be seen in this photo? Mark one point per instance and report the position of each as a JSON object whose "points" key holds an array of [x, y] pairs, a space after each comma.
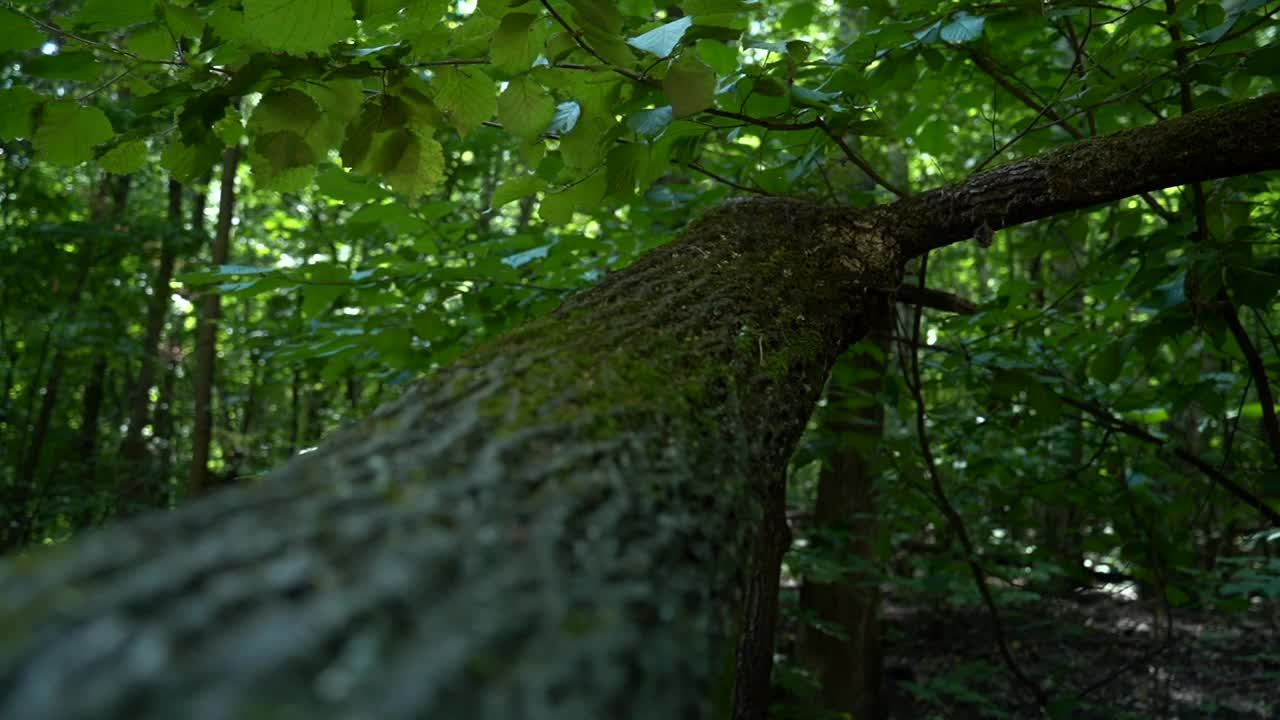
{"points": [[582, 519]]}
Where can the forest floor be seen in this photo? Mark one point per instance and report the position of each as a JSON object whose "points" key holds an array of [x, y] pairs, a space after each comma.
{"points": [[1103, 658]]}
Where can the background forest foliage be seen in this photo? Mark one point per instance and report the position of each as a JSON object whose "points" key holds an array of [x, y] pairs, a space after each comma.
{"points": [[371, 187]]}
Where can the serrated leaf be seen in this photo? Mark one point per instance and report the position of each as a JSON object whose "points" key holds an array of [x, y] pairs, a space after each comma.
{"points": [[513, 189], [125, 158], [466, 96], [650, 123], [17, 32], [17, 111], [67, 133], [516, 43], [662, 40], [963, 28], [110, 14], [299, 26], [525, 109], [690, 85]]}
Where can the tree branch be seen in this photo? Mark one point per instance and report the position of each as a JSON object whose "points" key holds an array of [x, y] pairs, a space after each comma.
{"points": [[1231, 139], [1115, 423]]}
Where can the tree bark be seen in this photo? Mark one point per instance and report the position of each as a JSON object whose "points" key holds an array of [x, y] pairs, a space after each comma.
{"points": [[578, 520], [138, 489], [849, 664], [207, 332]]}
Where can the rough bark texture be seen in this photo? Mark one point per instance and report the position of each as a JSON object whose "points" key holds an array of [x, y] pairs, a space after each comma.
{"points": [[568, 523]]}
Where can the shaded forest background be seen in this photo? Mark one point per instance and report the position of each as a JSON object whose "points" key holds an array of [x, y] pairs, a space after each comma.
{"points": [[194, 293]]}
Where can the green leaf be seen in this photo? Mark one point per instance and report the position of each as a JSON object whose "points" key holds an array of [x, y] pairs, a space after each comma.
{"points": [[1264, 61], [67, 133], [714, 7], [513, 189], [283, 161], [153, 42], [496, 8], [17, 32], [650, 123], [585, 195], [417, 167], [110, 14], [1108, 363], [624, 165], [17, 111], [78, 66], [317, 299], [599, 15], [287, 109], [125, 158], [517, 43], [189, 162], [722, 58], [690, 85], [798, 16], [417, 15], [466, 96], [341, 185], [583, 147], [299, 26], [662, 40], [963, 28], [525, 109]]}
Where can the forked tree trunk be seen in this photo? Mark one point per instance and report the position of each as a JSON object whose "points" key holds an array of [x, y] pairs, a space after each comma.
{"points": [[582, 519]]}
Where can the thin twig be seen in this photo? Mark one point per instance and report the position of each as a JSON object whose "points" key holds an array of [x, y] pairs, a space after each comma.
{"points": [[856, 159], [954, 519], [1108, 420]]}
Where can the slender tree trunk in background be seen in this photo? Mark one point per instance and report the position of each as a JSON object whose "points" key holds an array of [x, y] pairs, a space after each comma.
{"points": [[295, 407], [1061, 516], [140, 480], [578, 520], [207, 333], [165, 442], [88, 509], [850, 667]]}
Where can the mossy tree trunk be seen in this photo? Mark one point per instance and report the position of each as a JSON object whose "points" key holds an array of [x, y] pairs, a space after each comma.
{"points": [[582, 519]]}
